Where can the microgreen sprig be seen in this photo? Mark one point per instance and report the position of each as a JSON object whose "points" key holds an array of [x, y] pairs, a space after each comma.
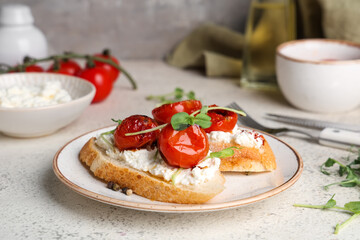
{"points": [[351, 171], [350, 207], [183, 120], [147, 130], [177, 95], [102, 135]]}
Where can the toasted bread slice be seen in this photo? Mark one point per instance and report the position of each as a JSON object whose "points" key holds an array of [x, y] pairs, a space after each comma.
{"points": [[143, 183], [246, 159]]}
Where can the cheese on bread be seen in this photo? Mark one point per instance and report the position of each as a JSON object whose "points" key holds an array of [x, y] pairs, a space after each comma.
{"points": [[144, 183], [255, 154]]}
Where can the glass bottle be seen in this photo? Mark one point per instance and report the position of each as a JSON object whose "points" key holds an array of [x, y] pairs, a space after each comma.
{"points": [[269, 23]]}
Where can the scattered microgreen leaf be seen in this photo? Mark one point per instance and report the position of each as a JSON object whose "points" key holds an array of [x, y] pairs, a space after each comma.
{"points": [[331, 203], [351, 207], [177, 95], [350, 171], [352, 179], [191, 95]]}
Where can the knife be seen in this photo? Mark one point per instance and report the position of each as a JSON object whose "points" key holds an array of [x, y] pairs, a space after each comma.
{"points": [[318, 124], [332, 134]]}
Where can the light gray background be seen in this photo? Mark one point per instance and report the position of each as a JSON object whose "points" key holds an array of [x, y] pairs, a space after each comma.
{"points": [[133, 29]]}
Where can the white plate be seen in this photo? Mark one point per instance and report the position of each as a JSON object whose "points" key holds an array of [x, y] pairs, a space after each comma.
{"points": [[240, 189]]}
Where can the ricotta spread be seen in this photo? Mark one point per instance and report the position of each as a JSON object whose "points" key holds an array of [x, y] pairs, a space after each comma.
{"points": [[49, 93], [151, 161], [241, 136]]}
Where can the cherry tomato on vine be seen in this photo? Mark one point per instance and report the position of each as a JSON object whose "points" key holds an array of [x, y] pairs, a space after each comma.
{"points": [[101, 80], [131, 124], [113, 72], [32, 68], [185, 148], [164, 113], [68, 67], [221, 120]]}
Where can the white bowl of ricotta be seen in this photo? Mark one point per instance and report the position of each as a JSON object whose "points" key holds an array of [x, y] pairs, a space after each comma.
{"points": [[38, 104]]}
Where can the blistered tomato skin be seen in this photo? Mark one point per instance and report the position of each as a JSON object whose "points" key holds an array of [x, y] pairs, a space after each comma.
{"points": [[221, 120], [185, 148], [164, 113], [132, 124]]}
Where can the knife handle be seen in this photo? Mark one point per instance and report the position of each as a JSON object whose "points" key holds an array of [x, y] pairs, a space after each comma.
{"points": [[339, 138]]}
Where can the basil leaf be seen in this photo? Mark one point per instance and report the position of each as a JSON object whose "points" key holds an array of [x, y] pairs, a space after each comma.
{"points": [[353, 206], [203, 120], [180, 121]]}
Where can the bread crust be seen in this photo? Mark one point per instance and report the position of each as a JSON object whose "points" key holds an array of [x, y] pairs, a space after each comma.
{"points": [[144, 184], [246, 159]]}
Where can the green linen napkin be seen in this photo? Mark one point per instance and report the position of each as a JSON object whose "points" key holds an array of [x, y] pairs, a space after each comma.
{"points": [[341, 19], [214, 47]]}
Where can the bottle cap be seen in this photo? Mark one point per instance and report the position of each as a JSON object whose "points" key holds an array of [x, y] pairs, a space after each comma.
{"points": [[15, 14]]}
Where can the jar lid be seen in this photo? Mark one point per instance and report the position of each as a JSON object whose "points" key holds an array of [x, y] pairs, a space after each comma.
{"points": [[15, 14]]}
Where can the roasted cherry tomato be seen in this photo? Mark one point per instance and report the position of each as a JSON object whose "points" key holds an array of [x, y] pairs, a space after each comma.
{"points": [[131, 124], [164, 113], [183, 148], [68, 67], [100, 78], [221, 120], [113, 72]]}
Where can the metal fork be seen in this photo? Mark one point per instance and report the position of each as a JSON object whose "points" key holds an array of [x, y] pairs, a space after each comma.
{"points": [[250, 122]]}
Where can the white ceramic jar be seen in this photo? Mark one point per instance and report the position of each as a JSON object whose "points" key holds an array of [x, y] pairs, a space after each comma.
{"points": [[18, 36]]}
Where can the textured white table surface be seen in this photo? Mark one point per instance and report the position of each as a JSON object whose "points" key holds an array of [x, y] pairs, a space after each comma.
{"points": [[36, 205]]}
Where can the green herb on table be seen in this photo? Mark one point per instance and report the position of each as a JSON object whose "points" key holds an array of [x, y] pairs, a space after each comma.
{"points": [[351, 207], [177, 95], [352, 179], [351, 170]]}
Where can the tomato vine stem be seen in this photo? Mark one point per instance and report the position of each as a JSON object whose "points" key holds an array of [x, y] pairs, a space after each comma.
{"points": [[67, 55]]}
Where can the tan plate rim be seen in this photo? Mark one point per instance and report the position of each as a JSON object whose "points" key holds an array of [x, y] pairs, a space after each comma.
{"points": [[178, 208]]}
